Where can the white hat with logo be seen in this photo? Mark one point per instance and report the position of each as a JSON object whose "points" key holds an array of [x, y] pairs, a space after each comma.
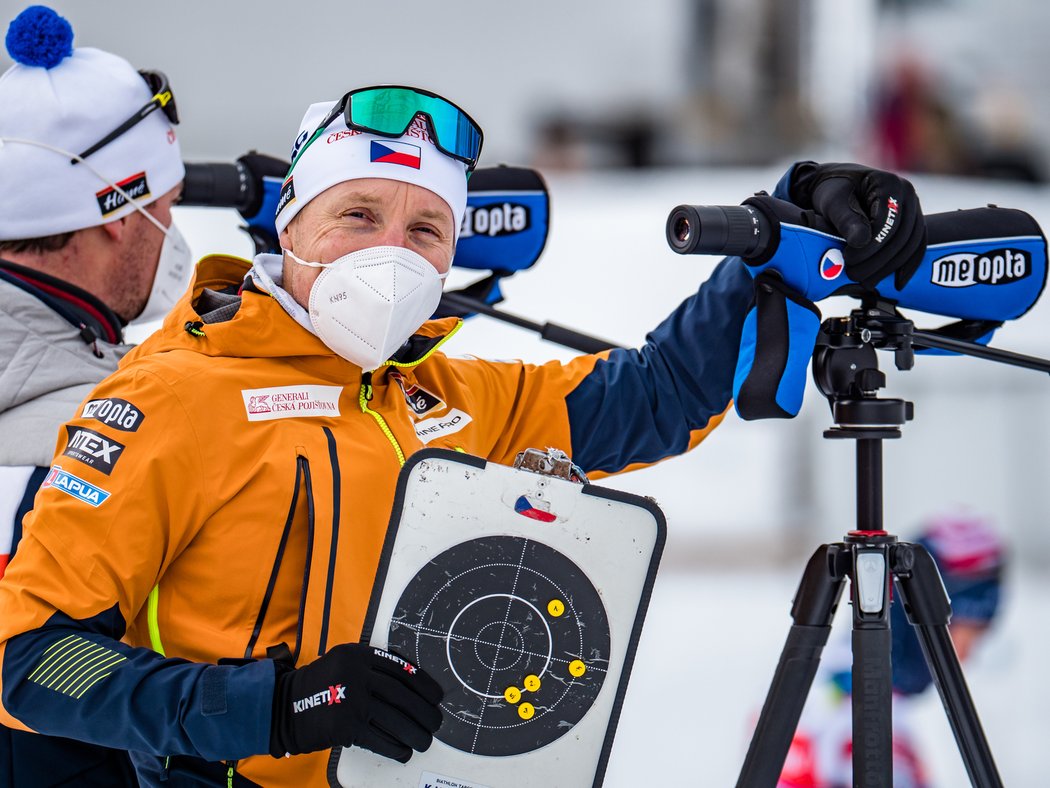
{"points": [[55, 103], [342, 154]]}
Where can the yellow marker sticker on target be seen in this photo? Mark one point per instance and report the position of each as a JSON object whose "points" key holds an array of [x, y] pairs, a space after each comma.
{"points": [[555, 607], [526, 710], [512, 694], [577, 668], [532, 682]]}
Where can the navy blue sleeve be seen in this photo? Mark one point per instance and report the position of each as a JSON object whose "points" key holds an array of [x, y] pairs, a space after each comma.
{"points": [[76, 679], [26, 505], [782, 190], [640, 406]]}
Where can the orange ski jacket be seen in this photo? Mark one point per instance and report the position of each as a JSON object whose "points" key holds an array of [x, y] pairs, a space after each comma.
{"points": [[222, 498]]}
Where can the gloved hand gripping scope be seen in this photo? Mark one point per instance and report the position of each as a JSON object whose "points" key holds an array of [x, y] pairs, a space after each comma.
{"points": [[980, 264]]}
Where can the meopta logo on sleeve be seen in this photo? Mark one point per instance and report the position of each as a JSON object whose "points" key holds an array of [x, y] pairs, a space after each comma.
{"points": [[92, 448], [75, 486], [114, 412]]}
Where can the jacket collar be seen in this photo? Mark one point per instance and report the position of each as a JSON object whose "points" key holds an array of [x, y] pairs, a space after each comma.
{"points": [[261, 328], [78, 307]]}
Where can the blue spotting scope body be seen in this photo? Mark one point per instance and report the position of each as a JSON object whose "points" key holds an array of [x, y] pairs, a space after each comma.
{"points": [[980, 264]]}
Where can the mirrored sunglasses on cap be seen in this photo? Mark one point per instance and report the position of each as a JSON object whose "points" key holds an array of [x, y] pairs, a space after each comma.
{"points": [[388, 111], [163, 99]]}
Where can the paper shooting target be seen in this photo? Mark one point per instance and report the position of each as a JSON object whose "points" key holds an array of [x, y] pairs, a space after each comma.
{"points": [[523, 595], [516, 635]]}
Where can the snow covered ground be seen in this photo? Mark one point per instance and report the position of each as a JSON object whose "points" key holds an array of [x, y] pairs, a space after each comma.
{"points": [[747, 508]]}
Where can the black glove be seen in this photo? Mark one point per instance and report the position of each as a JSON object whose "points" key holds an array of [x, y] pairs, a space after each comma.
{"points": [[355, 694], [877, 212]]}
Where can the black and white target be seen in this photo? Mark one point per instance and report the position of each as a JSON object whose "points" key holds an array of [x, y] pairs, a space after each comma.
{"points": [[516, 635], [523, 595]]}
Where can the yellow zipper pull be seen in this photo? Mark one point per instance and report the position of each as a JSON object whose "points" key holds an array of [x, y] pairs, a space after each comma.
{"points": [[363, 400], [366, 390]]}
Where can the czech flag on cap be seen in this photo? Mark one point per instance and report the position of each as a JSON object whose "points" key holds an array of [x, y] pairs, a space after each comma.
{"points": [[401, 153]]}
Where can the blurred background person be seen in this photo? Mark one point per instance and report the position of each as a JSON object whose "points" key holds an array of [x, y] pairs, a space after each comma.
{"points": [[971, 557], [920, 125]]}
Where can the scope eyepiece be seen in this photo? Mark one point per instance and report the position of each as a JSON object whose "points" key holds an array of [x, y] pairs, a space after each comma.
{"points": [[718, 229], [218, 185]]}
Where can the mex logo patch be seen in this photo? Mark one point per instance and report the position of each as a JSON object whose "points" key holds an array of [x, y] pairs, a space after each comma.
{"points": [[92, 448]]}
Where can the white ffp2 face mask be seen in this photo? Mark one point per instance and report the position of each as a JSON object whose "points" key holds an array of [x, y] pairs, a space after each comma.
{"points": [[366, 304], [174, 269]]}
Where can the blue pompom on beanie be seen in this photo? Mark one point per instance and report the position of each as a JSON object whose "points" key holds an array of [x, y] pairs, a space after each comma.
{"points": [[39, 37]]}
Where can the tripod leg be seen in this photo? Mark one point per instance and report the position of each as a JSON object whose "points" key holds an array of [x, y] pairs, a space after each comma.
{"points": [[928, 609], [812, 610], [872, 696]]}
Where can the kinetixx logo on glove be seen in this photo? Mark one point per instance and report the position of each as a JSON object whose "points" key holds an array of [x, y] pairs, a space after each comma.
{"points": [[334, 694], [407, 666]]}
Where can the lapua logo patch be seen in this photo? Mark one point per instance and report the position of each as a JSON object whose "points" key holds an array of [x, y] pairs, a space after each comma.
{"points": [[75, 486]]}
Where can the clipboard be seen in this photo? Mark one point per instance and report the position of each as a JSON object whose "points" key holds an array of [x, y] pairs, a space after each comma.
{"points": [[523, 594]]}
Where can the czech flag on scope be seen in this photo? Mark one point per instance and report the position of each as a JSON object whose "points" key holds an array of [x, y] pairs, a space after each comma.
{"points": [[832, 264], [396, 153]]}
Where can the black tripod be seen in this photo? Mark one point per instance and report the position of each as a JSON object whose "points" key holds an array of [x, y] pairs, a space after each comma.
{"points": [[846, 371]]}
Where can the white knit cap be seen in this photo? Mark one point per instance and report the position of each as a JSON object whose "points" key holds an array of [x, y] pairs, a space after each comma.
{"points": [[341, 154], [70, 105]]}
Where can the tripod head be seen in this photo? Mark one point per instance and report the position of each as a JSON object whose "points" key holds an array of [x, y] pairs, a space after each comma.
{"points": [[846, 370], [846, 367]]}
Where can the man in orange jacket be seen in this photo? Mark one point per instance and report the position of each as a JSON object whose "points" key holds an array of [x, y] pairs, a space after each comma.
{"points": [[194, 575]]}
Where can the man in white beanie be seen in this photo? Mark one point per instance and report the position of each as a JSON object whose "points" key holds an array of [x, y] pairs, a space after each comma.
{"points": [[207, 579], [87, 244]]}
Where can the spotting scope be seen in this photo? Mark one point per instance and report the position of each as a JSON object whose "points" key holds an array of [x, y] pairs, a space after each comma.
{"points": [[980, 264]]}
